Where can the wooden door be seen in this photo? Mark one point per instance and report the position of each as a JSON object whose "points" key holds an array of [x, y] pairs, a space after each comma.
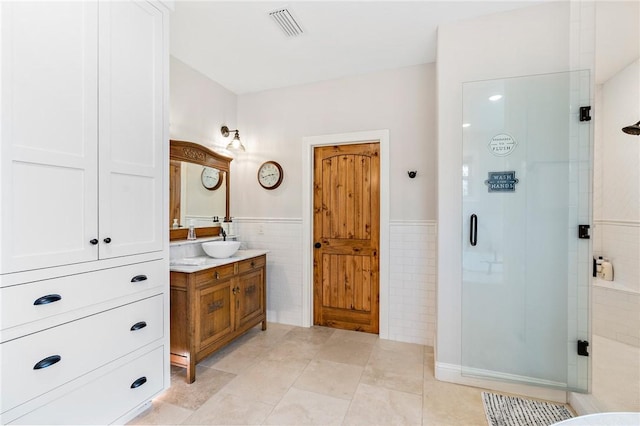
{"points": [[215, 312], [250, 296], [346, 232]]}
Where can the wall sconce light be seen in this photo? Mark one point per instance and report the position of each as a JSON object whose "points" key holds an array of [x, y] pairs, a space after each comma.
{"points": [[235, 144], [634, 129]]}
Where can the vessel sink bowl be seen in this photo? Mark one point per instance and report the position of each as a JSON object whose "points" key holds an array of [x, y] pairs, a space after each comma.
{"points": [[221, 249]]}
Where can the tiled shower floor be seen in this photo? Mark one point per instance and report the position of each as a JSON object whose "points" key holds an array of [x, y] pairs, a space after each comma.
{"points": [[291, 376]]}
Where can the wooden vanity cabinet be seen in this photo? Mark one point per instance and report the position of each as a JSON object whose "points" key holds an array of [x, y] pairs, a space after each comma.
{"points": [[210, 308]]}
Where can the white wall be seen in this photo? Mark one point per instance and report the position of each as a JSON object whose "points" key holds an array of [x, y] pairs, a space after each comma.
{"points": [[274, 122], [528, 41], [198, 107]]}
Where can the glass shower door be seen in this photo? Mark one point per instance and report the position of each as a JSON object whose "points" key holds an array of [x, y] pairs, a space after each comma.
{"points": [[526, 187]]}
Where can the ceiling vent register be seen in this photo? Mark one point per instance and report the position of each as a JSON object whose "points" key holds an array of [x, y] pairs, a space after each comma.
{"points": [[286, 22]]}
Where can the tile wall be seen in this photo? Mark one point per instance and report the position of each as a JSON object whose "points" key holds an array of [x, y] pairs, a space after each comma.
{"points": [[412, 313]]}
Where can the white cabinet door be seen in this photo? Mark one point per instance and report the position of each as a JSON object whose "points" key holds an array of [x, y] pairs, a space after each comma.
{"points": [[49, 134], [131, 128], [82, 153]]}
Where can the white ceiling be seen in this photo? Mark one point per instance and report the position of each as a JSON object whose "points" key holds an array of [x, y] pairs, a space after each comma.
{"points": [[239, 46]]}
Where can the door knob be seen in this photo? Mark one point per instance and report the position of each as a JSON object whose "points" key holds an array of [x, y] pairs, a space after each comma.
{"points": [[317, 245]]}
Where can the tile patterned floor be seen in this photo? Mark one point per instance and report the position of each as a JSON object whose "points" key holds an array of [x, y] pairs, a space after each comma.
{"points": [[319, 376]]}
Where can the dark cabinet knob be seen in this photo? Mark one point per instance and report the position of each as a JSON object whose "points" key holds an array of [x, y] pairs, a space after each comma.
{"points": [[47, 362], [93, 242], [107, 240], [141, 381], [138, 326], [317, 245], [138, 278], [45, 300]]}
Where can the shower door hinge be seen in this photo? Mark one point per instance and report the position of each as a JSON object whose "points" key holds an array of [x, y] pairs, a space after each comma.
{"points": [[583, 232], [582, 347], [585, 113]]}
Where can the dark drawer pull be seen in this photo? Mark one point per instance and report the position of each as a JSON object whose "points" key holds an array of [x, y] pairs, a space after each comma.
{"points": [[47, 362], [138, 278], [141, 381], [49, 298], [138, 326]]}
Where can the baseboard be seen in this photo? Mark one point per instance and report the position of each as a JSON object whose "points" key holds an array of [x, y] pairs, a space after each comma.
{"points": [[453, 373], [583, 404], [134, 413]]}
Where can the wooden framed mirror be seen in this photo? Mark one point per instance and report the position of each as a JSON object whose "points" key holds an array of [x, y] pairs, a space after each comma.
{"points": [[192, 194]]}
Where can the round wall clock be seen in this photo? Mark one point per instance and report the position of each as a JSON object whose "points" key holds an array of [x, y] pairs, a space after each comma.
{"points": [[211, 178], [270, 175]]}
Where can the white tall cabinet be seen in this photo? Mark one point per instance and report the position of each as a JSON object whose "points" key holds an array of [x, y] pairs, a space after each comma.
{"points": [[83, 208]]}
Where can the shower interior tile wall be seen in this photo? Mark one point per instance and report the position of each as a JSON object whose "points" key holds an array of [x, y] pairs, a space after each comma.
{"points": [[412, 304], [621, 244], [616, 315]]}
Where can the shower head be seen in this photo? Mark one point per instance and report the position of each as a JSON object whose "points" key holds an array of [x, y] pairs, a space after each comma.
{"points": [[634, 129]]}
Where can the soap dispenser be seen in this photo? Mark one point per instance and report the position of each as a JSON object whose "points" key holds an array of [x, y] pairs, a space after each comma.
{"points": [[607, 270], [191, 235]]}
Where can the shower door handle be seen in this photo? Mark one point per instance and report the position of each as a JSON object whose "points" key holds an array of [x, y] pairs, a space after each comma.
{"points": [[473, 230]]}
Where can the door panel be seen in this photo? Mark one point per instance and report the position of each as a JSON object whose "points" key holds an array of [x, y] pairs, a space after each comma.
{"points": [[48, 133], [131, 122], [346, 236], [526, 160]]}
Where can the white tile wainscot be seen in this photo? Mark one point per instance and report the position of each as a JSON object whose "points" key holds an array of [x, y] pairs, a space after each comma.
{"points": [[283, 238], [412, 286], [412, 304]]}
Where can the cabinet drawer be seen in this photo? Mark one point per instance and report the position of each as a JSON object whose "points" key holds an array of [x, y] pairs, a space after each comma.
{"points": [[34, 301], [104, 400], [216, 274], [67, 351], [250, 264]]}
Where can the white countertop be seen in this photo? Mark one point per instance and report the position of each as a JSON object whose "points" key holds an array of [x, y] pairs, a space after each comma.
{"points": [[206, 262]]}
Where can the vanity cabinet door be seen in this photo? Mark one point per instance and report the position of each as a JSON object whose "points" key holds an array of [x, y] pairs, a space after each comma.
{"points": [[214, 312], [250, 297]]}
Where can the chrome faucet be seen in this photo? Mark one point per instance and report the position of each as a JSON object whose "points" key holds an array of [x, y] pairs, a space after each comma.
{"points": [[224, 234]]}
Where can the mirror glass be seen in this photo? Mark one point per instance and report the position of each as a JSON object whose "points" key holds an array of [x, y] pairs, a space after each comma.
{"points": [[197, 202]]}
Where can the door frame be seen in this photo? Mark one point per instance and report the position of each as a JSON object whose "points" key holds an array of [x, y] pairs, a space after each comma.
{"points": [[309, 143]]}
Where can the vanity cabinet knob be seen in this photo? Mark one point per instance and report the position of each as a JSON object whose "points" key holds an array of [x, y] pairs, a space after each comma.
{"points": [[253, 264], [139, 382], [317, 245], [107, 240], [138, 278], [93, 242], [217, 275], [45, 300], [47, 362]]}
